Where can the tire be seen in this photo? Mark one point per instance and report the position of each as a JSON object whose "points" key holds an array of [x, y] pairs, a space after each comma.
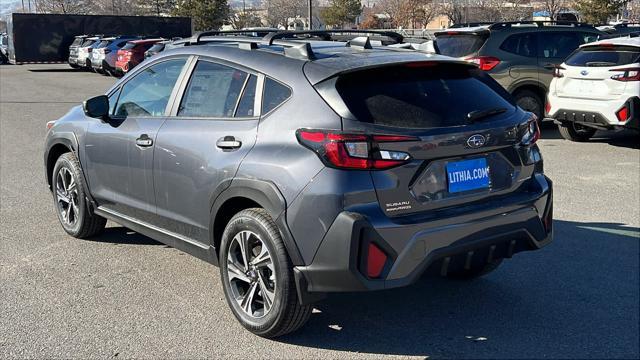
{"points": [[69, 199], [475, 271], [572, 131], [273, 275], [530, 101]]}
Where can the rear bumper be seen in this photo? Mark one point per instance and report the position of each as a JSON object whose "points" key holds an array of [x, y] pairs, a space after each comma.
{"points": [[415, 247], [596, 115]]}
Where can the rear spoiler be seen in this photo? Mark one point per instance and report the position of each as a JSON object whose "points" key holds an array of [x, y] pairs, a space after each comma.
{"points": [[453, 32]]}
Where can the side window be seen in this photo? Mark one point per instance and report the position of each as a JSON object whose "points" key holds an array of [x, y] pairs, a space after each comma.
{"points": [[558, 44], [521, 44], [147, 94], [274, 95], [245, 106], [588, 37], [213, 91]]}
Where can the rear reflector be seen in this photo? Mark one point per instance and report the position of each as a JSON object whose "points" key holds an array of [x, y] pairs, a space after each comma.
{"points": [[376, 259], [623, 114]]}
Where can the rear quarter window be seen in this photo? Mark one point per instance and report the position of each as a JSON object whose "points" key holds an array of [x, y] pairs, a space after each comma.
{"points": [[604, 56], [521, 44], [274, 94], [423, 97]]}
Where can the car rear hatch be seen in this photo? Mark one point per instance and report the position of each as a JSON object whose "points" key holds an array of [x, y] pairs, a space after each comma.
{"points": [[592, 72], [436, 134], [461, 43]]}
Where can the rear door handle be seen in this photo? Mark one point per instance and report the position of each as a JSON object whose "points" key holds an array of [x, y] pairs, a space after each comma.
{"points": [[549, 66], [228, 142], [144, 141]]}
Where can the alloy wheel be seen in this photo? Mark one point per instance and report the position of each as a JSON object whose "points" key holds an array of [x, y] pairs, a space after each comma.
{"points": [[251, 274], [67, 197]]}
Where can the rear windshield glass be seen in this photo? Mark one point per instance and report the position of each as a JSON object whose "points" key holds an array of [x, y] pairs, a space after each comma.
{"points": [[129, 46], [88, 42], [595, 56], [421, 97], [459, 45], [103, 43], [77, 41]]}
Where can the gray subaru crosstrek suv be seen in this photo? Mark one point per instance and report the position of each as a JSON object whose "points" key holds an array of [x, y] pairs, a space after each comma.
{"points": [[303, 167], [520, 56]]}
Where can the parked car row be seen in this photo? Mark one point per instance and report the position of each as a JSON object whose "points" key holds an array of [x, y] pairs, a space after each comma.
{"points": [[575, 74], [113, 55]]}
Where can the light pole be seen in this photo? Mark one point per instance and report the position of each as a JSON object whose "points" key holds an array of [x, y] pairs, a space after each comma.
{"points": [[310, 13]]}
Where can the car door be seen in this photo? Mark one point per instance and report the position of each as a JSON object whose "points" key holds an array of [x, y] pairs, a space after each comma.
{"points": [[212, 126], [119, 153], [522, 60], [553, 49]]}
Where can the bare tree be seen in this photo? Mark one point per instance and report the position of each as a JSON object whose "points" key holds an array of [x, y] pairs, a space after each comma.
{"points": [[62, 6], [280, 11], [454, 11], [553, 7]]}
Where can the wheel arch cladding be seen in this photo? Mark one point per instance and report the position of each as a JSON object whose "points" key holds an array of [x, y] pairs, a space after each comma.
{"points": [[247, 193], [59, 147]]}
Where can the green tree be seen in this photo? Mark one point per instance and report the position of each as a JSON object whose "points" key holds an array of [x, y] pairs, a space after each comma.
{"points": [[598, 11], [205, 14], [340, 12]]}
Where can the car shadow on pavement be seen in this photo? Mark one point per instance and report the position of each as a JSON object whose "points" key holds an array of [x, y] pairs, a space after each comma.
{"points": [[124, 236], [624, 138], [576, 298]]}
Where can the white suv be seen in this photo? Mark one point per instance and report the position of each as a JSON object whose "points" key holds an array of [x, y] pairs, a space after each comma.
{"points": [[597, 88]]}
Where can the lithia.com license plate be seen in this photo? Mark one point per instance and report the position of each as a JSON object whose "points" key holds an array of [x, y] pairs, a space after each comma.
{"points": [[468, 175]]}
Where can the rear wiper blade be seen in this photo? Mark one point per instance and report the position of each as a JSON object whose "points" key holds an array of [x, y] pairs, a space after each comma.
{"points": [[480, 114]]}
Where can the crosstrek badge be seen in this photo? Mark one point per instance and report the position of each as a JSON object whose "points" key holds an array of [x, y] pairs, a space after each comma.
{"points": [[468, 175]]}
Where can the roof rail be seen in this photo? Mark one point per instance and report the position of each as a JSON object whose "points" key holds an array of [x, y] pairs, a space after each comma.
{"points": [[507, 24], [196, 38], [326, 34], [624, 25], [293, 49]]}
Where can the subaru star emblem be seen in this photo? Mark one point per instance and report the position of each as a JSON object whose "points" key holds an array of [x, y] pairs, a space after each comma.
{"points": [[584, 72], [476, 141]]}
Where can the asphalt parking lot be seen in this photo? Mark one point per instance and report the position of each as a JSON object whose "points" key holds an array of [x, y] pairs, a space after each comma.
{"points": [[125, 295]]}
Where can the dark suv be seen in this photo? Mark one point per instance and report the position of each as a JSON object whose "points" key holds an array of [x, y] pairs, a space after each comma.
{"points": [[521, 56], [304, 166]]}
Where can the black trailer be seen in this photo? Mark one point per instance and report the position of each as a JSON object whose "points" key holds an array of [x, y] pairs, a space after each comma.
{"points": [[45, 38]]}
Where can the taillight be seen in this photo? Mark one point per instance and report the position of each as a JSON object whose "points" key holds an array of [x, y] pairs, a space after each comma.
{"points": [[623, 114], [485, 63], [547, 107], [376, 258], [531, 133], [557, 72], [354, 151], [629, 74], [50, 124]]}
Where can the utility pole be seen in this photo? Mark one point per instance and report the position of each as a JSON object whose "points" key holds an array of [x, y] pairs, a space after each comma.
{"points": [[310, 15]]}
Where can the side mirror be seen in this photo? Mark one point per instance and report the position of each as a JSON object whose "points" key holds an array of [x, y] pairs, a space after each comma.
{"points": [[97, 107]]}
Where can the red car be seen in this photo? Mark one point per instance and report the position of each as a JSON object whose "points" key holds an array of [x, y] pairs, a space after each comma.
{"points": [[132, 54]]}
